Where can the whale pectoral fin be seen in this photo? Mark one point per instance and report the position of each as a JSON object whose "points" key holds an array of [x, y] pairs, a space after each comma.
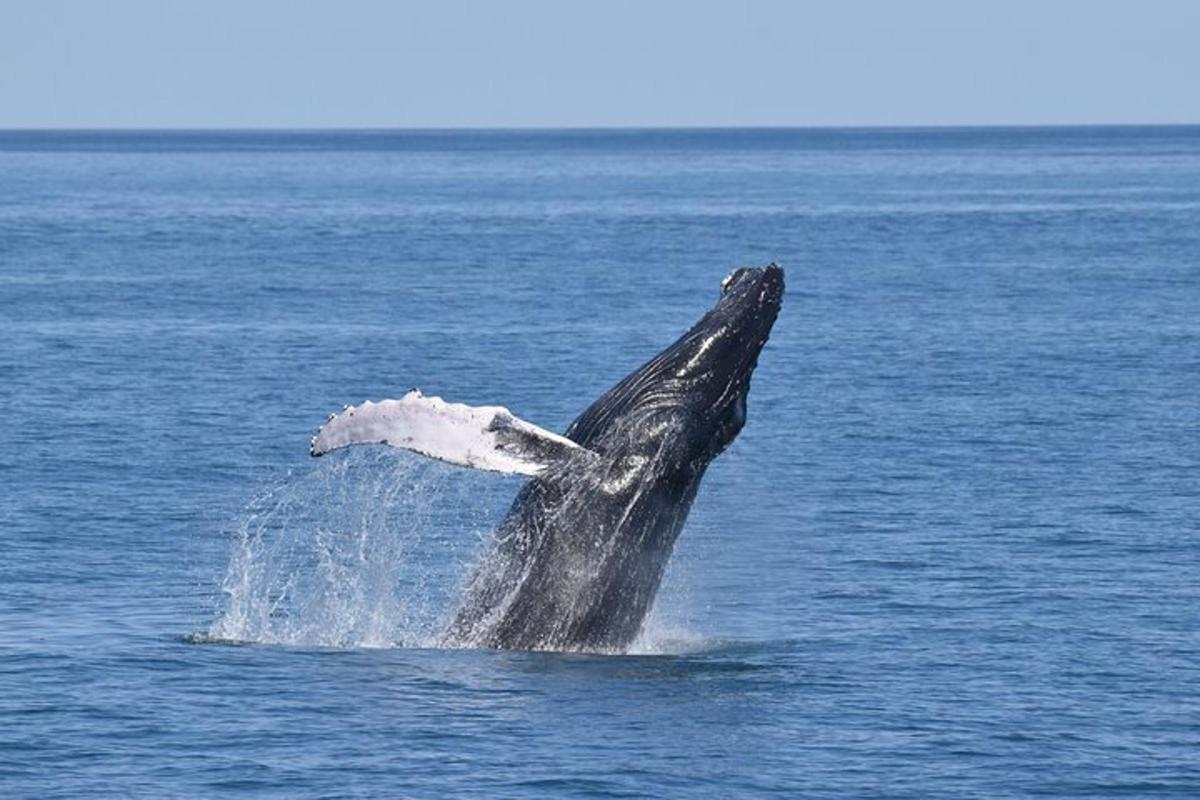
{"points": [[528, 442], [483, 437]]}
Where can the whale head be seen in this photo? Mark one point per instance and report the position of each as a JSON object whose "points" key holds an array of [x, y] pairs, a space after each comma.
{"points": [[688, 403]]}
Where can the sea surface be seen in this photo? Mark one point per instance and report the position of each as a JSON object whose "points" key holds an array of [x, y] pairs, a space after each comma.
{"points": [[955, 553]]}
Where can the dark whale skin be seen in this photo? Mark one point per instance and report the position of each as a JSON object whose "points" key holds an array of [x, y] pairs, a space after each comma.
{"points": [[577, 562]]}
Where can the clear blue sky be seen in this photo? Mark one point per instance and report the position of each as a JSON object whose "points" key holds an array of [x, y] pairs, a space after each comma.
{"points": [[371, 63]]}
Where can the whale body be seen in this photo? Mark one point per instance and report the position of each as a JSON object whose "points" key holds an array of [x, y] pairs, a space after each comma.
{"points": [[578, 560]]}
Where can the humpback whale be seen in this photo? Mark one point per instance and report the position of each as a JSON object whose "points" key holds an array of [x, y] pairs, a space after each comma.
{"points": [[578, 560]]}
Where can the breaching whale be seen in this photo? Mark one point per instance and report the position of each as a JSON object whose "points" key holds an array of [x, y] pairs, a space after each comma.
{"points": [[578, 560]]}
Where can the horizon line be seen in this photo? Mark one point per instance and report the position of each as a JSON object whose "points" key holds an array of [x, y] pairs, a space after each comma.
{"points": [[585, 128]]}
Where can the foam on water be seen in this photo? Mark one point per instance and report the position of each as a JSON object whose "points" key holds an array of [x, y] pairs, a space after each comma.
{"points": [[663, 636]]}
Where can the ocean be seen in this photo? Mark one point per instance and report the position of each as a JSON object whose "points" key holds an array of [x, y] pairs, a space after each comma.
{"points": [[954, 552]]}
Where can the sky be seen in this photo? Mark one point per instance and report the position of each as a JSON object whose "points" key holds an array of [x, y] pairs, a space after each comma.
{"points": [[536, 63]]}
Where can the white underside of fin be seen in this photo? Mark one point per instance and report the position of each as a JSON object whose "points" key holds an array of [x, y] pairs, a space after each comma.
{"points": [[482, 437]]}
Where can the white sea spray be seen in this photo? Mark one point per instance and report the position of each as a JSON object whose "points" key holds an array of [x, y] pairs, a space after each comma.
{"points": [[364, 550]]}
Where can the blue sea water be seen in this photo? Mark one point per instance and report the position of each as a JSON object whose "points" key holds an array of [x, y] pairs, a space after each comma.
{"points": [[954, 553]]}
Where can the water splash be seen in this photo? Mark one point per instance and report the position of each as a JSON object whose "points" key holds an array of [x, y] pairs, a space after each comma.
{"points": [[673, 625], [663, 636], [371, 549], [365, 550]]}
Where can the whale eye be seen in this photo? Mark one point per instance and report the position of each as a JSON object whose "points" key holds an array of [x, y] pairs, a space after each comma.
{"points": [[738, 412], [731, 422]]}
